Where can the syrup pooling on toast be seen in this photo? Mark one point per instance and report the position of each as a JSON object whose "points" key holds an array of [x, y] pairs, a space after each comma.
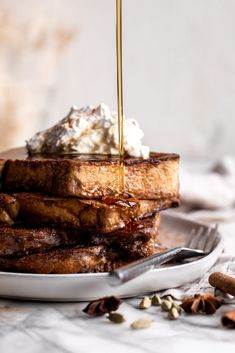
{"points": [[121, 180], [130, 205]]}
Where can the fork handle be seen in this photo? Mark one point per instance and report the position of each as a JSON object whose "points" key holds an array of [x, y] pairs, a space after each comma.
{"points": [[135, 269]]}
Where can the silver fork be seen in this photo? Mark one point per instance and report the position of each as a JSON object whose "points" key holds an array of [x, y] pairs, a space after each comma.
{"points": [[200, 243]]}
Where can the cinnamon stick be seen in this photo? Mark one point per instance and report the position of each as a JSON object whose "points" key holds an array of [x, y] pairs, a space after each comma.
{"points": [[223, 282], [228, 319]]}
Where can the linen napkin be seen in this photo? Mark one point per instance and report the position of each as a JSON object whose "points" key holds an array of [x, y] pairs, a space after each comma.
{"points": [[225, 264], [209, 196]]}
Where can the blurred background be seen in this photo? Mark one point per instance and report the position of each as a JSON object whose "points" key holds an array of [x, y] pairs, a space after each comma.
{"points": [[179, 68]]}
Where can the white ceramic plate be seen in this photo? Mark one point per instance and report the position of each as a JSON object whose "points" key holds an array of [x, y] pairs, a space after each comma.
{"points": [[174, 231]]}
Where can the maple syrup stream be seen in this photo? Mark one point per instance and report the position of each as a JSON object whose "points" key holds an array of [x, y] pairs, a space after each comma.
{"points": [[121, 181], [130, 204]]}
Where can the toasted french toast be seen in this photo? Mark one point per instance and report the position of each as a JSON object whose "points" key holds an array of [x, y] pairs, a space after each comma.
{"points": [[102, 216], [90, 176], [78, 259], [137, 239], [108, 215]]}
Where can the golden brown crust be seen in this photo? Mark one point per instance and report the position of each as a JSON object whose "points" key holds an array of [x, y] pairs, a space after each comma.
{"points": [[64, 261], [135, 240], [92, 177], [89, 235], [103, 216]]}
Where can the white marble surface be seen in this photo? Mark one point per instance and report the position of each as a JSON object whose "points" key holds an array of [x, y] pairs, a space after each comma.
{"points": [[60, 327]]}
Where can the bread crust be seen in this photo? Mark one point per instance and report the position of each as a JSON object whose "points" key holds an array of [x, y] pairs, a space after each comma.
{"points": [[91, 176], [64, 261], [94, 216], [137, 239]]}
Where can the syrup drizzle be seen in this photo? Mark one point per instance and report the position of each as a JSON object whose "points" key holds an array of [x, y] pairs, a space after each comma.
{"points": [[121, 180]]}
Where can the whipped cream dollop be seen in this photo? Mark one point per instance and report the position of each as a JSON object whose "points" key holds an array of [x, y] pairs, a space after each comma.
{"points": [[89, 130]]}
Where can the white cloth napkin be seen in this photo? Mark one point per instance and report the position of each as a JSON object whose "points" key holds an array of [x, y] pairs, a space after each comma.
{"points": [[225, 264], [209, 195]]}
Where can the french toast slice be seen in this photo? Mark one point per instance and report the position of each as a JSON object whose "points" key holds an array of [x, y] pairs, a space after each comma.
{"points": [[106, 216], [139, 239], [91, 176], [78, 259], [92, 215]]}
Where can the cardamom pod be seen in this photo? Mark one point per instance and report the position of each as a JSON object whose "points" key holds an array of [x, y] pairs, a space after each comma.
{"points": [[141, 324], [166, 305], [156, 300], [177, 306], [173, 314], [145, 303], [116, 318], [169, 298]]}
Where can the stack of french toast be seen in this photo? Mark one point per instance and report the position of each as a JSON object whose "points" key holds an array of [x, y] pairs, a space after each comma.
{"points": [[61, 213]]}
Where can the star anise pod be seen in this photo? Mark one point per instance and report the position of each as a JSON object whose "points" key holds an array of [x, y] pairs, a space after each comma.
{"points": [[102, 306], [201, 303]]}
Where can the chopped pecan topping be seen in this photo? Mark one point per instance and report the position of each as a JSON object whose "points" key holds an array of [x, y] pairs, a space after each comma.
{"points": [[102, 306], [201, 303]]}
